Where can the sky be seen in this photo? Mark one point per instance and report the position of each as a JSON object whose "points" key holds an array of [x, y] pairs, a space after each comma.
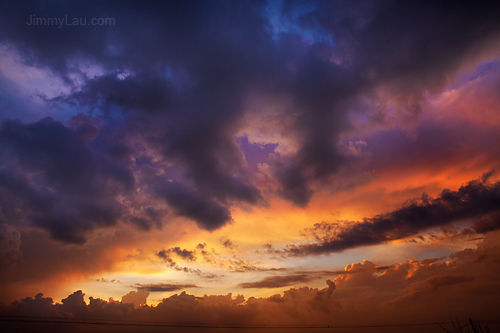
{"points": [[250, 162]]}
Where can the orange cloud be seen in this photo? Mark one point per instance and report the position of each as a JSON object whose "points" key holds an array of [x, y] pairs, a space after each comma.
{"points": [[414, 291]]}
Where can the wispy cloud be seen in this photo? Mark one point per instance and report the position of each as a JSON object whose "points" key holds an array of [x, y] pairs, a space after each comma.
{"points": [[163, 287]]}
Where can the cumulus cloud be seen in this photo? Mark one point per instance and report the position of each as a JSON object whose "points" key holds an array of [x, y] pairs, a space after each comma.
{"points": [[138, 298], [464, 283]]}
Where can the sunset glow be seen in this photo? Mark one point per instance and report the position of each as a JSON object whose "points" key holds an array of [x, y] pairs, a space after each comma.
{"points": [[246, 163]]}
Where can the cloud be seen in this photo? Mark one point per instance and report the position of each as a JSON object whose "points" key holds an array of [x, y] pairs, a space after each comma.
{"points": [[143, 91], [188, 256], [474, 232], [138, 298], [186, 110], [75, 188], [433, 146], [465, 283], [10, 243], [471, 201], [75, 304], [161, 100], [187, 102], [209, 214], [107, 280], [227, 243], [277, 281], [299, 277], [490, 223], [370, 61], [184, 254], [235, 263], [185, 308], [447, 280], [161, 287]]}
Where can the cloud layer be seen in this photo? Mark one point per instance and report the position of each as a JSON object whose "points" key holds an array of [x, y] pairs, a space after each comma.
{"points": [[365, 295]]}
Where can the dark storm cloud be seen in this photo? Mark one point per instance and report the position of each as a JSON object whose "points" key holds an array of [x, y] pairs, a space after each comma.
{"points": [[187, 107], [50, 146], [74, 186], [176, 80], [145, 91], [472, 201], [294, 184], [208, 214], [476, 230], [413, 45], [404, 48], [490, 223]]}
